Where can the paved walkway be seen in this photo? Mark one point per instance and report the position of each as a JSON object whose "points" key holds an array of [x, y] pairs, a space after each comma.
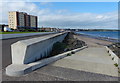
{"points": [[7, 36], [91, 59], [94, 59]]}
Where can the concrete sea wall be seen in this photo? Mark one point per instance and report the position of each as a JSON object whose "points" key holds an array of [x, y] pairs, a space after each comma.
{"points": [[25, 52], [30, 50], [114, 56]]}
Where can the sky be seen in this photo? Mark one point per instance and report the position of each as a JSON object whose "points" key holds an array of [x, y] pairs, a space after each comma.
{"points": [[77, 15]]}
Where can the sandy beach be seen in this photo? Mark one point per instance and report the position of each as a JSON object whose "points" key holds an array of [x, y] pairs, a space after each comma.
{"points": [[92, 41]]}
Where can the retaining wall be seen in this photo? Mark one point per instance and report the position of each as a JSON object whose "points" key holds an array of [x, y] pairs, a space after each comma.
{"points": [[114, 56], [26, 52], [18, 70], [30, 50]]}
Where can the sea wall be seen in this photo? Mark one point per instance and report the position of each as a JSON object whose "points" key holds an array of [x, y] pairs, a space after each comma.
{"points": [[30, 50], [27, 55], [114, 56], [21, 69]]}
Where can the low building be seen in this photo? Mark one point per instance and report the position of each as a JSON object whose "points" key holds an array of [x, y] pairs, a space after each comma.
{"points": [[2, 26], [61, 30], [48, 29]]}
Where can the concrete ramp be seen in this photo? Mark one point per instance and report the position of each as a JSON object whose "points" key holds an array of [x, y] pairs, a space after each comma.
{"points": [[91, 59]]}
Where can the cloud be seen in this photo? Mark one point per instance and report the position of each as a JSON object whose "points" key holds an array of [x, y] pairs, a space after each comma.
{"points": [[30, 8], [81, 20], [60, 18]]}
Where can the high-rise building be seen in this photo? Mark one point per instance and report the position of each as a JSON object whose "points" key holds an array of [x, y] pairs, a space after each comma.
{"points": [[21, 20], [33, 21]]}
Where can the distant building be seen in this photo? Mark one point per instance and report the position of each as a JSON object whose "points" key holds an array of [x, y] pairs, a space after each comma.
{"points": [[48, 29], [21, 20], [61, 30], [2, 26]]}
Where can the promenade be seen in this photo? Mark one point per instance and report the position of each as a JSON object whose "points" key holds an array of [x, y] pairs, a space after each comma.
{"points": [[9, 36], [91, 59], [90, 64]]}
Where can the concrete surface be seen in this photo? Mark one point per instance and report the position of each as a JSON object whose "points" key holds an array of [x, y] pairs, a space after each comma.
{"points": [[7, 36], [91, 59], [30, 50], [57, 73], [114, 56], [21, 69], [5, 46], [23, 51]]}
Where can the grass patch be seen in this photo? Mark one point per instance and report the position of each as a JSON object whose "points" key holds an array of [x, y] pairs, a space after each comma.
{"points": [[16, 32], [72, 52], [116, 65], [69, 54], [118, 71], [113, 58], [58, 48]]}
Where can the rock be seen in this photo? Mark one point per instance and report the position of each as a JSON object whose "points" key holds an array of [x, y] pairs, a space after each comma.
{"points": [[70, 43], [115, 47]]}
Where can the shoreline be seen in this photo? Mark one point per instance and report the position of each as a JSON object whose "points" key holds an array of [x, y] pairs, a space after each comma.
{"points": [[112, 44], [99, 38]]}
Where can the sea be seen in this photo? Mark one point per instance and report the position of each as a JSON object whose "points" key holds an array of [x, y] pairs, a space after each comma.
{"points": [[102, 34]]}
